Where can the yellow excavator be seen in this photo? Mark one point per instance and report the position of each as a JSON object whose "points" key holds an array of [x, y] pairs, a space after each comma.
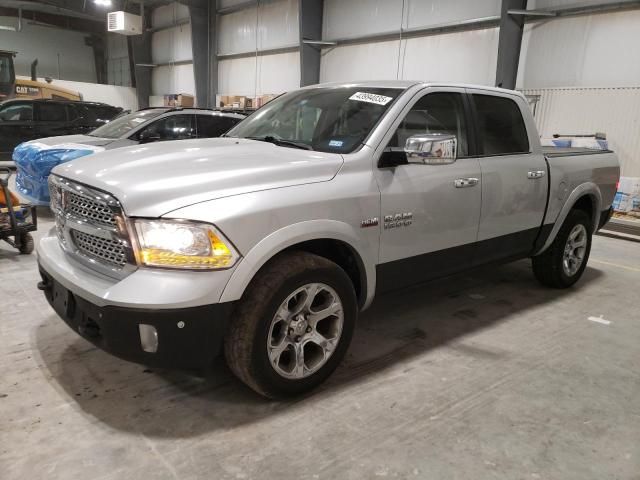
{"points": [[12, 87]]}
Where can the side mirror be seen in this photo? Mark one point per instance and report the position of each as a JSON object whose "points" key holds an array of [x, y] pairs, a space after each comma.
{"points": [[147, 136], [431, 149]]}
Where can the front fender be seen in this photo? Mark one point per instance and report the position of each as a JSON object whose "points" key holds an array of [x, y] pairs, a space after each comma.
{"points": [[290, 235]]}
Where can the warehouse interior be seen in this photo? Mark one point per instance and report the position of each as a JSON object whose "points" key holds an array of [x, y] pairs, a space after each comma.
{"points": [[479, 373]]}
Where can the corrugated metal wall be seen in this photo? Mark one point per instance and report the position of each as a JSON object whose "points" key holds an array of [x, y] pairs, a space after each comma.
{"points": [[273, 24], [172, 44], [615, 111], [469, 56]]}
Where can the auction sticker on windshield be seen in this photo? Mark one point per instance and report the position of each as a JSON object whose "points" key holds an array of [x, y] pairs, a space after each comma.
{"points": [[370, 98]]}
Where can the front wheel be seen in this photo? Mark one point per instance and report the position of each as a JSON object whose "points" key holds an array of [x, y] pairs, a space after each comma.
{"points": [[564, 262], [293, 326]]}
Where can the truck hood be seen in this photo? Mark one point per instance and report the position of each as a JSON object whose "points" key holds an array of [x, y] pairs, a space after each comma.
{"points": [[77, 140], [152, 180]]}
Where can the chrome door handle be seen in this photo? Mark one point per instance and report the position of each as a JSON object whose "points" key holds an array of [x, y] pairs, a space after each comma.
{"points": [[533, 174], [465, 182]]}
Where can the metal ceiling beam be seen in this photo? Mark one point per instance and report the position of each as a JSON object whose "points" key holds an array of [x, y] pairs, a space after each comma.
{"points": [[509, 43], [238, 7], [310, 20]]}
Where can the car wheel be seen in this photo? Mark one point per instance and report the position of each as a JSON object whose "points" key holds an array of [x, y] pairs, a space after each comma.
{"points": [[564, 262], [293, 326]]}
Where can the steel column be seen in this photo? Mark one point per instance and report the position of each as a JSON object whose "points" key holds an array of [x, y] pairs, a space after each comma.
{"points": [[310, 20], [509, 43]]}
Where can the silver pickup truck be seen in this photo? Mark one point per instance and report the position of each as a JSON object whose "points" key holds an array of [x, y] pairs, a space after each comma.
{"points": [[266, 244]]}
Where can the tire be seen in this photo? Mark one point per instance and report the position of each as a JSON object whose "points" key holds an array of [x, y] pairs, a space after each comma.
{"points": [[550, 268], [256, 330], [26, 244]]}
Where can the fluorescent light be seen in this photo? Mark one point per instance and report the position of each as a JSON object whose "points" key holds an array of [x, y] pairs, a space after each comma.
{"points": [[102, 3]]}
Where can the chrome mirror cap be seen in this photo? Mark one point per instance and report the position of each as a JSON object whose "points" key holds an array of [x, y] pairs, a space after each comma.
{"points": [[431, 149]]}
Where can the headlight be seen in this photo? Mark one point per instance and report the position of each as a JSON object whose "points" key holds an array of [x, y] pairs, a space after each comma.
{"points": [[182, 244]]}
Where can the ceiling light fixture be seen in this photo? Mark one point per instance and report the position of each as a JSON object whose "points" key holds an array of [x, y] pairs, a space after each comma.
{"points": [[102, 3]]}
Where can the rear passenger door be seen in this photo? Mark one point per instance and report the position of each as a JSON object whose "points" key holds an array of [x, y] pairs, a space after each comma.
{"points": [[51, 119], [514, 179], [209, 126]]}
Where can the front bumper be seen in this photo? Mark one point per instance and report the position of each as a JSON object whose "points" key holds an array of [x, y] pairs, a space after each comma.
{"points": [[187, 337]]}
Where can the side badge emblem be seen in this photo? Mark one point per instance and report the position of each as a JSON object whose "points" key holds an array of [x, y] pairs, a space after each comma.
{"points": [[369, 222]]}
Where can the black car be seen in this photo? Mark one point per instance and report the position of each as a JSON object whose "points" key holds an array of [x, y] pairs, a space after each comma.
{"points": [[26, 119]]}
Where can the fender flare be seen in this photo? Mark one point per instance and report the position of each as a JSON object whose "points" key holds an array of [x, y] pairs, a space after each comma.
{"points": [[290, 235], [585, 189]]}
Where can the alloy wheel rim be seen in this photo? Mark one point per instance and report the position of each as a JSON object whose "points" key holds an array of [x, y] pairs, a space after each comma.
{"points": [[574, 250], [305, 331]]}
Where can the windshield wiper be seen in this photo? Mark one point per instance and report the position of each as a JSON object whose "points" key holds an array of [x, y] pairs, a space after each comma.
{"points": [[281, 142]]}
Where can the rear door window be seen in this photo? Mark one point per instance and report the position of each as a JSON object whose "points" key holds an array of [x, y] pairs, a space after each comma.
{"points": [[51, 112], [214, 125], [501, 128]]}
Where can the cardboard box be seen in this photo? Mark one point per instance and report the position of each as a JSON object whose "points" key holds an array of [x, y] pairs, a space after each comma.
{"points": [[179, 100]]}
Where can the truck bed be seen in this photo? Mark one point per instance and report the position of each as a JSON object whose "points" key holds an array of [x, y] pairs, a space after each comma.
{"points": [[552, 152]]}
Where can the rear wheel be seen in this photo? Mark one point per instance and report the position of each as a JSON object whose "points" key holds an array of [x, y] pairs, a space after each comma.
{"points": [[293, 326], [26, 243], [564, 262]]}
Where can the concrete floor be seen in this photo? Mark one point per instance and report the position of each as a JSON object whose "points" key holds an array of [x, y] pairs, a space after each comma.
{"points": [[484, 375]]}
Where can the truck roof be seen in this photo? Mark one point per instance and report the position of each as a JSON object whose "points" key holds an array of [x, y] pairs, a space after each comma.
{"points": [[404, 84]]}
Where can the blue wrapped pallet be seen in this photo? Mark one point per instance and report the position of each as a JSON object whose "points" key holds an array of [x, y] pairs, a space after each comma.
{"points": [[34, 162]]}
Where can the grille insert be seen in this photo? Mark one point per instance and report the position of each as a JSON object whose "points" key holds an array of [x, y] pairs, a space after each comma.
{"points": [[107, 251], [90, 210]]}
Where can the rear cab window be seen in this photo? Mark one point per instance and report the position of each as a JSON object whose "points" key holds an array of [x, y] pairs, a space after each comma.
{"points": [[500, 126]]}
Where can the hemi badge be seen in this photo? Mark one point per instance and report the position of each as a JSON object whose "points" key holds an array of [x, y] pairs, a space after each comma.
{"points": [[369, 222]]}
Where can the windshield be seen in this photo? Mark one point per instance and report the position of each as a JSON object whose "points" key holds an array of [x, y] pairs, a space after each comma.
{"points": [[120, 126], [327, 119]]}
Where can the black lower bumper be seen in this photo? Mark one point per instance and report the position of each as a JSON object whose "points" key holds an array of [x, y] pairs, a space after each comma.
{"points": [[187, 337]]}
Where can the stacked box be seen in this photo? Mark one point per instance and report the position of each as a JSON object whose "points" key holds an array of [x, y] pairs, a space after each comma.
{"points": [[179, 100], [627, 199]]}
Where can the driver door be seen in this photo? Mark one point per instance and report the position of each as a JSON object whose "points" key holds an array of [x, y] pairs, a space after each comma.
{"points": [[429, 217]]}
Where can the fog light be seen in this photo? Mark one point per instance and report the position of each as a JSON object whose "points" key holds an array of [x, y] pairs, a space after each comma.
{"points": [[148, 338]]}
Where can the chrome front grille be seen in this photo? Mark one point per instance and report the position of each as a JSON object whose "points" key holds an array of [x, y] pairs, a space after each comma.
{"points": [[89, 229], [108, 251], [88, 209]]}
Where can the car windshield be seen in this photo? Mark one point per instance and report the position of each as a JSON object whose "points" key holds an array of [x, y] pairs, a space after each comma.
{"points": [[120, 126], [326, 119]]}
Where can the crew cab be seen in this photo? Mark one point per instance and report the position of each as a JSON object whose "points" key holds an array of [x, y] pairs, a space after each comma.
{"points": [[266, 244]]}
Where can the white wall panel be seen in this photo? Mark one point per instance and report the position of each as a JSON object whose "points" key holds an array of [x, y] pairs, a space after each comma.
{"points": [[275, 74], [367, 61], [171, 45], [169, 14], [58, 51], [615, 111], [118, 68], [455, 57], [124, 97], [424, 13], [593, 50], [173, 79], [352, 18], [277, 26], [467, 57]]}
